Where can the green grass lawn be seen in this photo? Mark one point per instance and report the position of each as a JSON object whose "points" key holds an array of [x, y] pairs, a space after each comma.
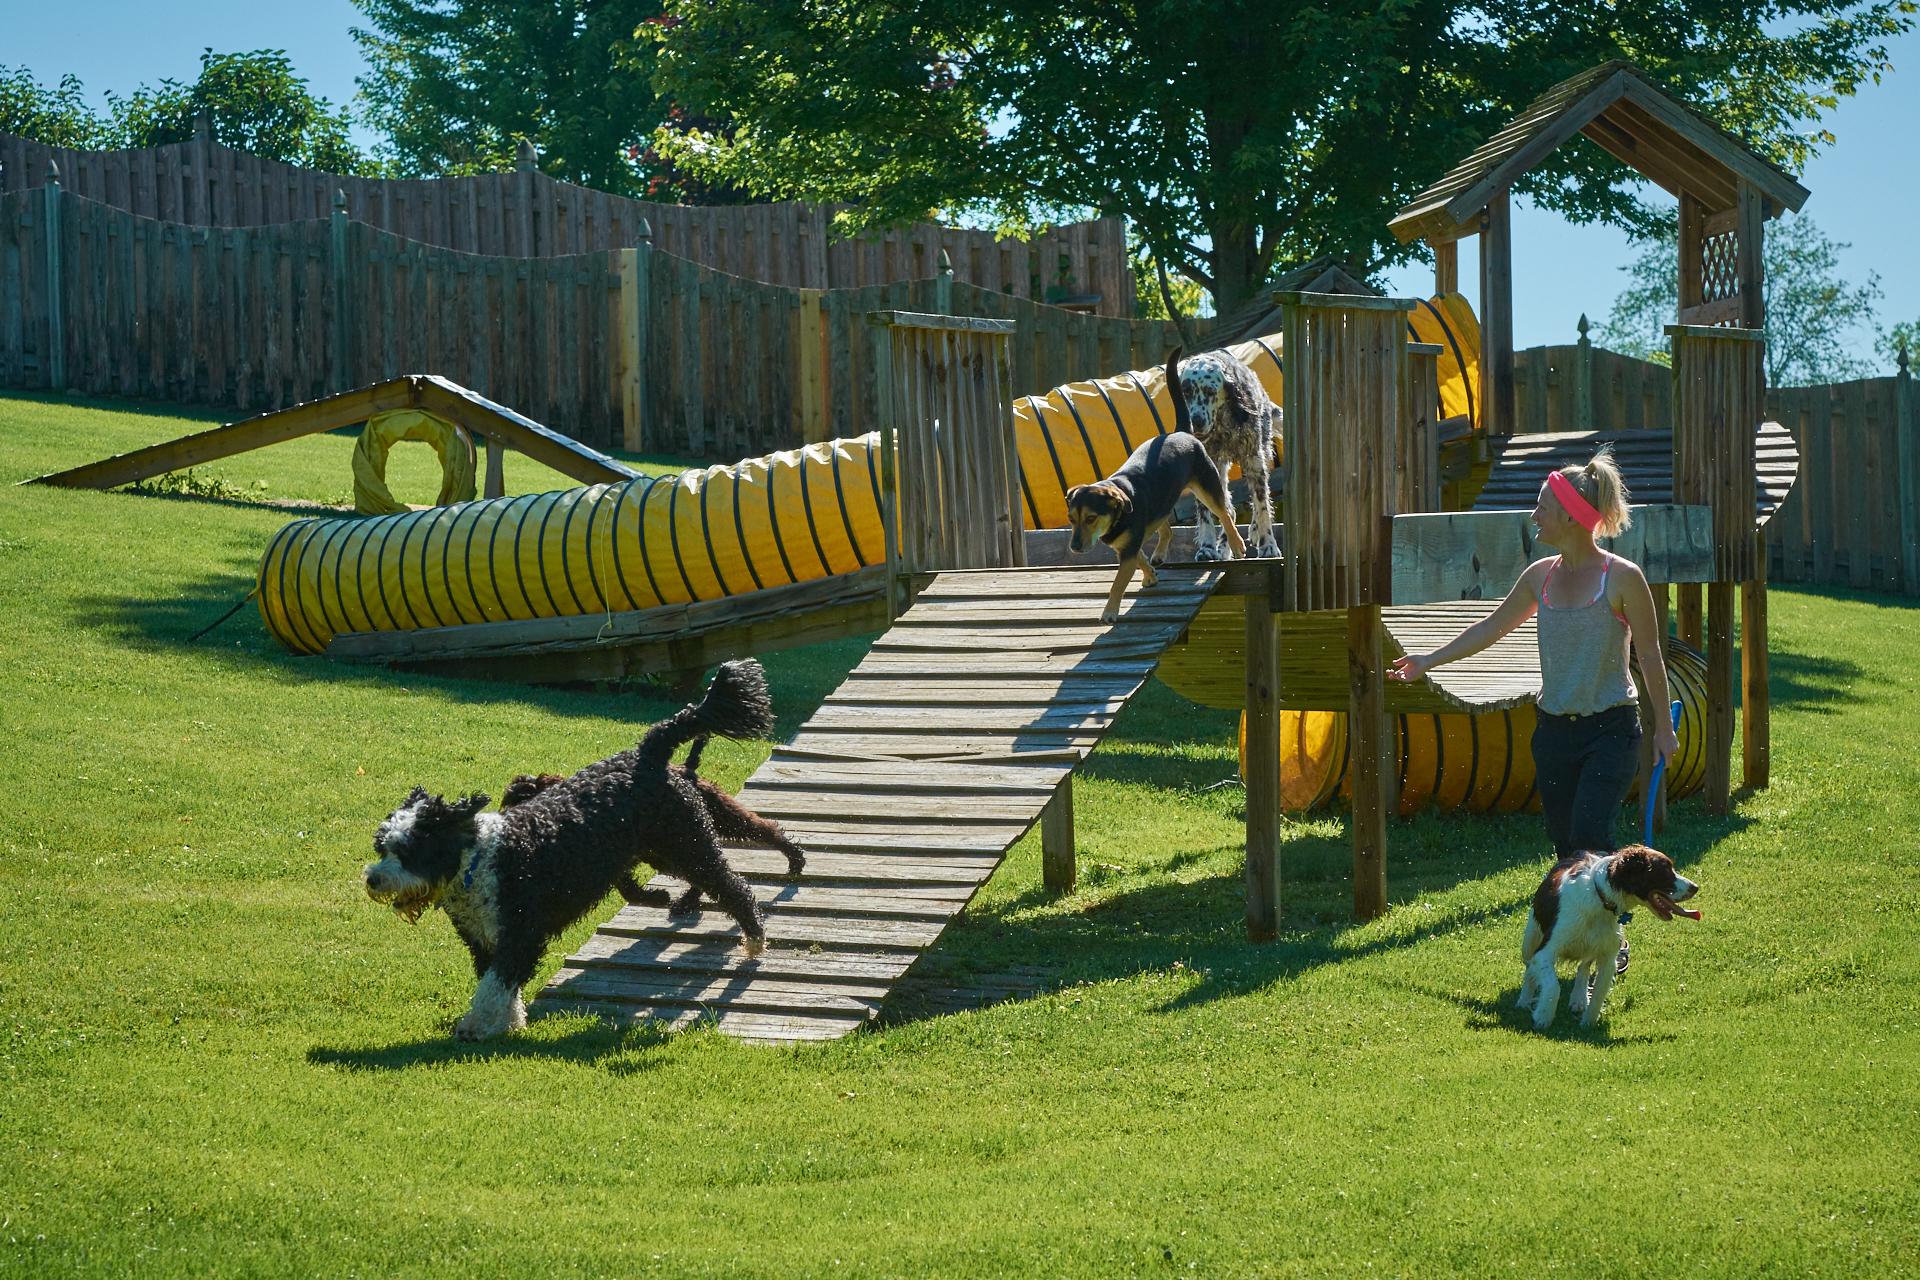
{"points": [[220, 1059]]}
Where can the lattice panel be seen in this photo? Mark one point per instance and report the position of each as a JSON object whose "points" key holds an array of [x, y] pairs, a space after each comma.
{"points": [[1719, 267]]}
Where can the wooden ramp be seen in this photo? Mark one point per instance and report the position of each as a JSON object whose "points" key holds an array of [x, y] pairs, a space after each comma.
{"points": [[906, 788]]}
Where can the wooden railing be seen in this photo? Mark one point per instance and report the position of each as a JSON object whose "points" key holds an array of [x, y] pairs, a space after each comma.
{"points": [[949, 472]]}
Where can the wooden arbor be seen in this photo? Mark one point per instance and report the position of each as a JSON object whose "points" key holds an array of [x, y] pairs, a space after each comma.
{"points": [[1726, 194]]}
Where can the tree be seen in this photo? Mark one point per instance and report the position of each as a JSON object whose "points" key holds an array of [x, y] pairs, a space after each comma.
{"points": [[455, 84], [1812, 314], [254, 102], [1238, 135], [58, 115]]}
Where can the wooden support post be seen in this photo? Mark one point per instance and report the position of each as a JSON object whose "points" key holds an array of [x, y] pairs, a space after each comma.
{"points": [[1750, 260], [1372, 741], [813, 409], [1687, 607], [1496, 309], [496, 469], [1755, 708], [1906, 426], [1057, 867], [56, 355], [1719, 697], [341, 292], [636, 277], [1692, 244], [1663, 612], [1263, 770], [1446, 268]]}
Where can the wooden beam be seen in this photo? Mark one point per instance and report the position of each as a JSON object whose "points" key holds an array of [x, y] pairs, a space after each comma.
{"points": [[496, 483], [1752, 261], [1719, 311], [1719, 697], [1717, 146], [1756, 711], [1687, 610], [478, 414], [1644, 145], [1479, 555], [1263, 769], [1663, 616], [1057, 865], [1692, 242], [1567, 122], [1371, 740], [239, 437], [1446, 267], [1496, 317]]}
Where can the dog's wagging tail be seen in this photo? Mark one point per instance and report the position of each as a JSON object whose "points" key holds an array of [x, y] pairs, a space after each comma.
{"points": [[511, 881]]}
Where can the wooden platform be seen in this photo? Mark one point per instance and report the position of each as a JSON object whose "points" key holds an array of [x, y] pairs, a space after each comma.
{"points": [[1521, 463], [906, 788]]}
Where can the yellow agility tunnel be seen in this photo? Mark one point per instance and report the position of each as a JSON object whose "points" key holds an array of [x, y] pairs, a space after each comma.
{"points": [[1480, 763], [718, 531]]}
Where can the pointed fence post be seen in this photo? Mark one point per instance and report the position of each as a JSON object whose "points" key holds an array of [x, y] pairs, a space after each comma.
{"points": [[1583, 381], [56, 319], [943, 286], [1906, 425], [636, 274]]}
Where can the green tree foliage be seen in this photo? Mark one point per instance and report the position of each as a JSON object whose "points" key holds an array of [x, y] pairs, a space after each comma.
{"points": [[57, 115], [1238, 135], [455, 84], [253, 101], [1813, 316]]}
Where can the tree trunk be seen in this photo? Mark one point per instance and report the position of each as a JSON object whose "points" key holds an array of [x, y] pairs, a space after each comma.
{"points": [[1236, 271]]}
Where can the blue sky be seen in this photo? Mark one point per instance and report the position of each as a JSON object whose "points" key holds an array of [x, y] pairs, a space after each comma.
{"points": [[1560, 270]]}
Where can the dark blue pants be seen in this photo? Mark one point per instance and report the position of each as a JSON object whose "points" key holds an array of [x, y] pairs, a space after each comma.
{"points": [[1584, 767]]}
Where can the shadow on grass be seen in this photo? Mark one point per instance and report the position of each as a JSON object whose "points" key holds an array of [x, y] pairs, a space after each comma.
{"points": [[596, 1043], [800, 679], [1502, 1013]]}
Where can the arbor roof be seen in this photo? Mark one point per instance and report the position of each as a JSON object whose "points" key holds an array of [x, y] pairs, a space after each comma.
{"points": [[1619, 108]]}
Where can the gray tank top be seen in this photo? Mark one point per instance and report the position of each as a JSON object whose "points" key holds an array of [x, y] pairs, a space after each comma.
{"points": [[1583, 653]]}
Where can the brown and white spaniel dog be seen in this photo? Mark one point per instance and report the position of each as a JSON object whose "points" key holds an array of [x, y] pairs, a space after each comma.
{"points": [[1576, 918]]}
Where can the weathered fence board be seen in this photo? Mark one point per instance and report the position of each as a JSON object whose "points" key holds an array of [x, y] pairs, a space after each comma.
{"points": [[528, 214], [261, 317], [1843, 524], [1626, 394]]}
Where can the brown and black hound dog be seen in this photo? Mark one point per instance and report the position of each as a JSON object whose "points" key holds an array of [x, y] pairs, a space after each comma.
{"points": [[1136, 502]]}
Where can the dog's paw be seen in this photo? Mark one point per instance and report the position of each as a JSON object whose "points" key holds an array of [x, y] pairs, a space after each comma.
{"points": [[687, 904], [1109, 615], [1267, 548], [754, 947], [1211, 551]]}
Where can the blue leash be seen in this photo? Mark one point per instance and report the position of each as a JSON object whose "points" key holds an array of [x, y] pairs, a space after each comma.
{"points": [[1659, 767]]}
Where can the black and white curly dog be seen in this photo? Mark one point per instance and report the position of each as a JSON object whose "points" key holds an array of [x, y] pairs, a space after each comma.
{"points": [[1220, 400], [511, 881]]}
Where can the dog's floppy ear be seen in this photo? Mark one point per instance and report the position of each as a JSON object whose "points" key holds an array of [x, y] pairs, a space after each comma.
{"points": [[463, 809], [1182, 420], [1116, 496]]}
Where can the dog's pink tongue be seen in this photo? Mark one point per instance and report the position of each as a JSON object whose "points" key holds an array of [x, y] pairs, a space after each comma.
{"points": [[1664, 905]]}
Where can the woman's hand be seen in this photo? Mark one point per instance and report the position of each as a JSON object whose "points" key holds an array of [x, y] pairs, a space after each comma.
{"points": [[1666, 743], [1411, 667]]}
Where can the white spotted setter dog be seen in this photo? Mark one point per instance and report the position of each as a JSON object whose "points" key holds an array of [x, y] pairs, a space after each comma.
{"points": [[1221, 401], [1576, 918]]}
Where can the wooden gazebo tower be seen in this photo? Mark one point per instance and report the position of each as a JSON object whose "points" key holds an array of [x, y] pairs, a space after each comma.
{"points": [[1726, 194]]}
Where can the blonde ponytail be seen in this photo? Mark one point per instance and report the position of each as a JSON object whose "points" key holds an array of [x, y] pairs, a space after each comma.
{"points": [[1602, 485]]}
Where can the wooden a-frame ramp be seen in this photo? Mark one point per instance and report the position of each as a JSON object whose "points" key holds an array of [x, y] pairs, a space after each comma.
{"points": [[906, 788]]}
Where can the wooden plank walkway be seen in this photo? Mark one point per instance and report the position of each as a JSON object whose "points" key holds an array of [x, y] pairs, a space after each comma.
{"points": [[906, 788]]}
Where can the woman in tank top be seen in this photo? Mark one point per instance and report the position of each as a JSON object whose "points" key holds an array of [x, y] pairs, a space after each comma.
{"points": [[1591, 605]]}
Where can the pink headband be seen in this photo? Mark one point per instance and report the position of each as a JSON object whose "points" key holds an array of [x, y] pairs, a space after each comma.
{"points": [[1583, 512]]}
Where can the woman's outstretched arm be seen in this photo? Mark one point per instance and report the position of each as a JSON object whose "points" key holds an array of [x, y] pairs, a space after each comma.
{"points": [[1514, 610]]}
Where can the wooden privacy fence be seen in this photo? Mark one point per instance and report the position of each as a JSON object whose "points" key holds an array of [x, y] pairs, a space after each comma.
{"points": [[592, 344], [1587, 388], [528, 214], [949, 472], [1851, 521], [720, 366]]}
